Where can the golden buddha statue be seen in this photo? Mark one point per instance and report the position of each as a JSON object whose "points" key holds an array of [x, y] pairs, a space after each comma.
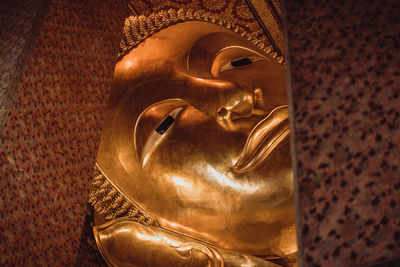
{"points": [[193, 167]]}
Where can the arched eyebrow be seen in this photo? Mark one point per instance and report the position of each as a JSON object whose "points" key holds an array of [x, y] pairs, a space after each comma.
{"points": [[201, 55], [244, 48]]}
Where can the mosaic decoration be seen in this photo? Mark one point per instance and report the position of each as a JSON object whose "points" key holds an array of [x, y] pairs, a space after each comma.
{"points": [[20, 26], [344, 65], [50, 139]]}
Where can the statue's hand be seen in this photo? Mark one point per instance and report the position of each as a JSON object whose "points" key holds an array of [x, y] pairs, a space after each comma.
{"points": [[124, 242]]}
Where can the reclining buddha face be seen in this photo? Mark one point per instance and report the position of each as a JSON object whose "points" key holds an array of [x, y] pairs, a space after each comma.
{"points": [[197, 135]]}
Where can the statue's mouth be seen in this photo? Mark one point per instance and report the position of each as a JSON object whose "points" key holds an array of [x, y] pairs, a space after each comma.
{"points": [[263, 139]]}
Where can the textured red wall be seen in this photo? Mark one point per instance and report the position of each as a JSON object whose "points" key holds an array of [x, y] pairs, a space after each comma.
{"points": [[50, 139], [20, 23], [344, 63]]}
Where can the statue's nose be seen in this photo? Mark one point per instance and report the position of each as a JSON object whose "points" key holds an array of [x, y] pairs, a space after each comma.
{"points": [[240, 105], [230, 102]]}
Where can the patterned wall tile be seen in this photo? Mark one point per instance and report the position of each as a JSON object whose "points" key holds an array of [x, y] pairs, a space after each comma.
{"points": [[345, 65], [20, 23], [50, 139]]}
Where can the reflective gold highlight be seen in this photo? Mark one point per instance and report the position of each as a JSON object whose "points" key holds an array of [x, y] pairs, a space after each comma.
{"points": [[193, 167]]}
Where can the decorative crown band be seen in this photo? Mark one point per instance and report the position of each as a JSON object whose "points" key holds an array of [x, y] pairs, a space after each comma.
{"points": [[107, 200], [138, 28]]}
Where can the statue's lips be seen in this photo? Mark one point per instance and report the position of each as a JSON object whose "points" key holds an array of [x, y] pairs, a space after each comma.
{"points": [[262, 140]]}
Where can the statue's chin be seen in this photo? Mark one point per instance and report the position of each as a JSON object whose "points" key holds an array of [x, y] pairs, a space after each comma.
{"points": [[249, 237], [259, 222]]}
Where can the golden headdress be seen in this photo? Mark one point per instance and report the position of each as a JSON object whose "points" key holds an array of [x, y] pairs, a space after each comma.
{"points": [[138, 28]]}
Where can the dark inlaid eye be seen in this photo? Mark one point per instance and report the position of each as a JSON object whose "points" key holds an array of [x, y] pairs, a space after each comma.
{"points": [[165, 125], [241, 62], [157, 135]]}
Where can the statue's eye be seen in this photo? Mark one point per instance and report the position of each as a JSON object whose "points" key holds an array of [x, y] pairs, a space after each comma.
{"points": [[158, 132], [167, 122], [239, 63]]}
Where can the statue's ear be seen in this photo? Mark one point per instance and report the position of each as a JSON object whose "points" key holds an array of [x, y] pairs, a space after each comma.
{"points": [[124, 242]]}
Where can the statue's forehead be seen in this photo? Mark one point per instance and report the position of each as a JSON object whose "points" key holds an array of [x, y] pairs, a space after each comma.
{"points": [[178, 39], [180, 45]]}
